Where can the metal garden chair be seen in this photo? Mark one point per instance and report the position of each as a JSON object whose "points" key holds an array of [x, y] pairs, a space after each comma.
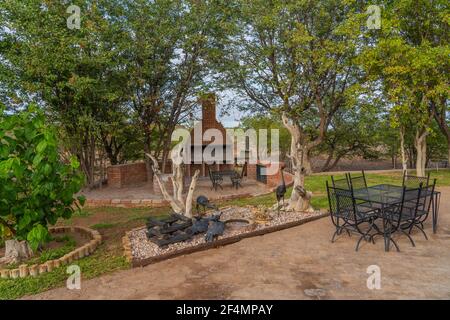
{"points": [[401, 217], [216, 179], [411, 181], [360, 183], [342, 183], [422, 211], [344, 207], [237, 178]]}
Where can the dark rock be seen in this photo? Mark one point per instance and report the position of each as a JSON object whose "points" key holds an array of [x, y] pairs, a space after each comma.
{"points": [[215, 229]]}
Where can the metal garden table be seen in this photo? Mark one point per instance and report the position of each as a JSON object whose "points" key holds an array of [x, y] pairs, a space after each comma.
{"points": [[224, 173], [384, 196]]}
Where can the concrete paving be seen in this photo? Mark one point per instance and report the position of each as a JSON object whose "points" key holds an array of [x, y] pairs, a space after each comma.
{"points": [[298, 263]]}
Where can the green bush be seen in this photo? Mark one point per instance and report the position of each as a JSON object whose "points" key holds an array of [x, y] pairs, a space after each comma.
{"points": [[36, 186]]}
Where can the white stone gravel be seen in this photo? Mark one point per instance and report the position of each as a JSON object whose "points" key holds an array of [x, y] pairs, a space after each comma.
{"points": [[142, 248]]}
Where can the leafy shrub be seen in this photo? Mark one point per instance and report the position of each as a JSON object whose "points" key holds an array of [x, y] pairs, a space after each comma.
{"points": [[36, 186]]}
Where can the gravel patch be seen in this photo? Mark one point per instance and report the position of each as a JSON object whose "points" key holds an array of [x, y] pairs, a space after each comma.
{"points": [[142, 248]]}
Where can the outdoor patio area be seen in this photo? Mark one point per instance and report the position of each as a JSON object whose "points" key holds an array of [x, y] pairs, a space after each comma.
{"points": [[296, 263], [145, 190]]}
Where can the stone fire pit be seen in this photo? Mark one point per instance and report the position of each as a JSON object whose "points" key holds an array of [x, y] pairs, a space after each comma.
{"points": [[241, 222]]}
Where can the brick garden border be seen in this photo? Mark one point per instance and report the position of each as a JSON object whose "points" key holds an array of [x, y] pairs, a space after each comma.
{"points": [[83, 251], [205, 246], [154, 203]]}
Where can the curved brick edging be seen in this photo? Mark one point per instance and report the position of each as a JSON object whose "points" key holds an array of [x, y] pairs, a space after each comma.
{"points": [[83, 251], [205, 246], [156, 203]]}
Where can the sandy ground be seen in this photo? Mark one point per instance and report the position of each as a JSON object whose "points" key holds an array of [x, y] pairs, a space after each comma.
{"points": [[287, 265]]}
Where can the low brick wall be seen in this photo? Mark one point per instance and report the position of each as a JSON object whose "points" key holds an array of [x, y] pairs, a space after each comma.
{"points": [[156, 203], [272, 180], [275, 179], [126, 174]]}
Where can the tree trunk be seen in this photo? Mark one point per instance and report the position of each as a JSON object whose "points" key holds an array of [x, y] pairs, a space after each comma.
{"points": [[301, 166], [177, 202], [177, 207], [402, 149], [164, 160], [440, 114], [448, 159], [190, 194], [16, 251], [420, 143], [148, 163], [331, 166], [325, 166], [92, 159], [177, 172]]}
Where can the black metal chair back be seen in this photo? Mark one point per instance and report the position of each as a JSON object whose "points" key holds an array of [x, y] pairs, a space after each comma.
{"points": [[410, 203], [422, 210], [411, 181], [341, 202], [240, 172], [426, 199], [340, 183], [358, 182]]}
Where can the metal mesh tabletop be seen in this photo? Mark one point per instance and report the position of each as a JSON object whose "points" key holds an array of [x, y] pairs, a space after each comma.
{"points": [[386, 194]]}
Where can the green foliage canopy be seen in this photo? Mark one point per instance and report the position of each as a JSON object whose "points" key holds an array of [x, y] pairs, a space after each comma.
{"points": [[36, 187]]}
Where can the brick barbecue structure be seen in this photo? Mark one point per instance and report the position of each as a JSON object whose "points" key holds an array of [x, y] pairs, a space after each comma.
{"points": [[134, 173], [198, 144]]}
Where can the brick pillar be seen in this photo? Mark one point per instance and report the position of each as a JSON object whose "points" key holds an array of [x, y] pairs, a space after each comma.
{"points": [[251, 171], [114, 176], [208, 102], [274, 180]]}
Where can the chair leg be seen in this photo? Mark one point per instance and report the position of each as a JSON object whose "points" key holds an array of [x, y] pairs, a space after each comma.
{"points": [[363, 236], [334, 235], [424, 234], [409, 237], [359, 241], [338, 232], [395, 244]]}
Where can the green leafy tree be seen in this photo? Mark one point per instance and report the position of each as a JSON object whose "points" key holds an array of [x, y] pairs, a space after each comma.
{"points": [[352, 133], [76, 75], [269, 122], [36, 187], [295, 58], [411, 59], [168, 64]]}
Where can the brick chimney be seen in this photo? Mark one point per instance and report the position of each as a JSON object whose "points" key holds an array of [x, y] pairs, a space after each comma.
{"points": [[208, 102], [209, 121]]}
